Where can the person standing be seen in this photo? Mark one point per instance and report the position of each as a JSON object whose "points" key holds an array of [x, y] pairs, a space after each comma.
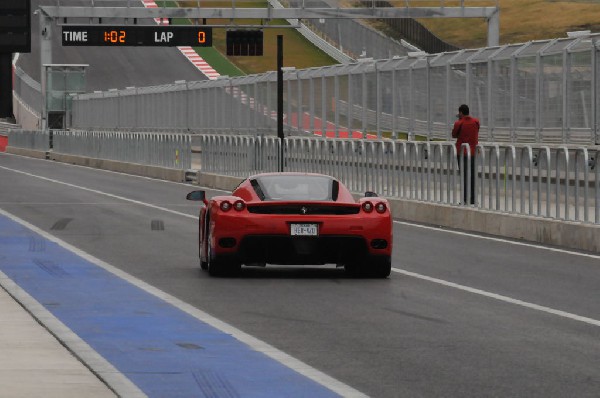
{"points": [[466, 131]]}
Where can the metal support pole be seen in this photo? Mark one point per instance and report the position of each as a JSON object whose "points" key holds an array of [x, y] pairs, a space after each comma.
{"points": [[494, 29], [45, 59], [595, 94], [280, 97]]}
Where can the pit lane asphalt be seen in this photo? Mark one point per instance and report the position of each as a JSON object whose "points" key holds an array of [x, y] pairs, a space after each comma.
{"points": [[402, 336]]}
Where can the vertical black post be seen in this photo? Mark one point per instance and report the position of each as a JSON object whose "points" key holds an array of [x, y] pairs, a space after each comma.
{"points": [[6, 107], [280, 97]]}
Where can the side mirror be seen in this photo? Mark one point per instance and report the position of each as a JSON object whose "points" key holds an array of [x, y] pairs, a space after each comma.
{"points": [[196, 196], [370, 194]]}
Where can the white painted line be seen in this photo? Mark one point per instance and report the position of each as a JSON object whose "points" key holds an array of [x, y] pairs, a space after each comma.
{"points": [[512, 242], [500, 297], [96, 169], [256, 344], [195, 217]]}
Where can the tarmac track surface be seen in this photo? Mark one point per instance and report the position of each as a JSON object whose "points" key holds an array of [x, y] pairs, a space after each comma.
{"points": [[461, 315]]}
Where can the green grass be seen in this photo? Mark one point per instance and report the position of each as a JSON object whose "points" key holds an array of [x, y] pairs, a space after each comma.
{"points": [[297, 51], [211, 55], [218, 61]]}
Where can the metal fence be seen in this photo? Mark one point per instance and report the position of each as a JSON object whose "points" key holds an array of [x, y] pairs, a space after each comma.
{"points": [[534, 180], [557, 182], [29, 139], [543, 91], [153, 149]]}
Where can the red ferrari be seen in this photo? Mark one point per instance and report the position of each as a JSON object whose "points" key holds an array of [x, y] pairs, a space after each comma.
{"points": [[294, 219]]}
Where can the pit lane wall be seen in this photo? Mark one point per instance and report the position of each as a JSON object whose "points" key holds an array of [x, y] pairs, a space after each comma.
{"points": [[560, 233]]}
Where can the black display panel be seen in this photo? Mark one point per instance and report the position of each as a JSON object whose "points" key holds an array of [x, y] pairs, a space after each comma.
{"points": [[245, 42], [121, 36], [15, 26]]}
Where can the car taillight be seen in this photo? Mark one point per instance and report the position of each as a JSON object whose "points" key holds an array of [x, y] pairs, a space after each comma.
{"points": [[380, 207], [367, 207], [225, 206], [239, 205]]}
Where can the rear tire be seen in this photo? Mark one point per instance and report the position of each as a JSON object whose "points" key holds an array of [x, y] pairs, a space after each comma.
{"points": [[380, 267], [219, 266]]}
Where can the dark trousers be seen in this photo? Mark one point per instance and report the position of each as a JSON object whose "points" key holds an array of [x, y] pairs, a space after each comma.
{"points": [[466, 181]]}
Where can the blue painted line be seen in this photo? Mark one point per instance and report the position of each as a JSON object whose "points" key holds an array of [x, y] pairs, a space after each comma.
{"points": [[161, 349]]}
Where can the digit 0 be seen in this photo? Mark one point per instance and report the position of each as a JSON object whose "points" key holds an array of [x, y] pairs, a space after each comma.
{"points": [[201, 37]]}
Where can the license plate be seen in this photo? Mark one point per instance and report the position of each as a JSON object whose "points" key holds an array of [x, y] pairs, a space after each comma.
{"points": [[304, 229]]}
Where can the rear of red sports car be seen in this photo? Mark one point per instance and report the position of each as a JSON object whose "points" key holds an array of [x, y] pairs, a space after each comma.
{"points": [[297, 219]]}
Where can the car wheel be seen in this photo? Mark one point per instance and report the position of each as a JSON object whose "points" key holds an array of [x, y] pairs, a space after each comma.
{"points": [[203, 265], [218, 266], [214, 266], [380, 267]]}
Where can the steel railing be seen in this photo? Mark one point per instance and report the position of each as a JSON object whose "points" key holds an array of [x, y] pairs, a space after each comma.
{"points": [[154, 149], [556, 182]]}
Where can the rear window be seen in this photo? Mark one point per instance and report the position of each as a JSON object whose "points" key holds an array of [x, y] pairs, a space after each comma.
{"points": [[296, 187]]}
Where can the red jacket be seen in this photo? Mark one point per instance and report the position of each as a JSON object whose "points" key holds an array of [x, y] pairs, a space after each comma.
{"points": [[466, 131]]}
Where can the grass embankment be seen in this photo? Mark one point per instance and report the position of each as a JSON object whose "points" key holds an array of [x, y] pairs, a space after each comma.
{"points": [[521, 21], [297, 51]]}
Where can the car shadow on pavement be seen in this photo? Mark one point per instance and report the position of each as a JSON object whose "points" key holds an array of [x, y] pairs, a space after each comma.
{"points": [[293, 272]]}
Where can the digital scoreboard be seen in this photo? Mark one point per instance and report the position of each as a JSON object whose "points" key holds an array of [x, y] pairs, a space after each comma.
{"points": [[122, 36]]}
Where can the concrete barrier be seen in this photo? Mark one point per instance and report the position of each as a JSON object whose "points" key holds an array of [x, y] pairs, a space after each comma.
{"points": [[162, 173], [564, 234], [32, 153]]}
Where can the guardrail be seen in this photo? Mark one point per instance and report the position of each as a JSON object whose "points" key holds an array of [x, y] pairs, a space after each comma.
{"points": [[311, 36], [167, 150], [541, 181], [153, 149], [29, 139], [554, 182]]}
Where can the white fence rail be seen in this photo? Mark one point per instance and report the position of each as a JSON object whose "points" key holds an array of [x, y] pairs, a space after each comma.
{"points": [[541, 181], [557, 182], [153, 149]]}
